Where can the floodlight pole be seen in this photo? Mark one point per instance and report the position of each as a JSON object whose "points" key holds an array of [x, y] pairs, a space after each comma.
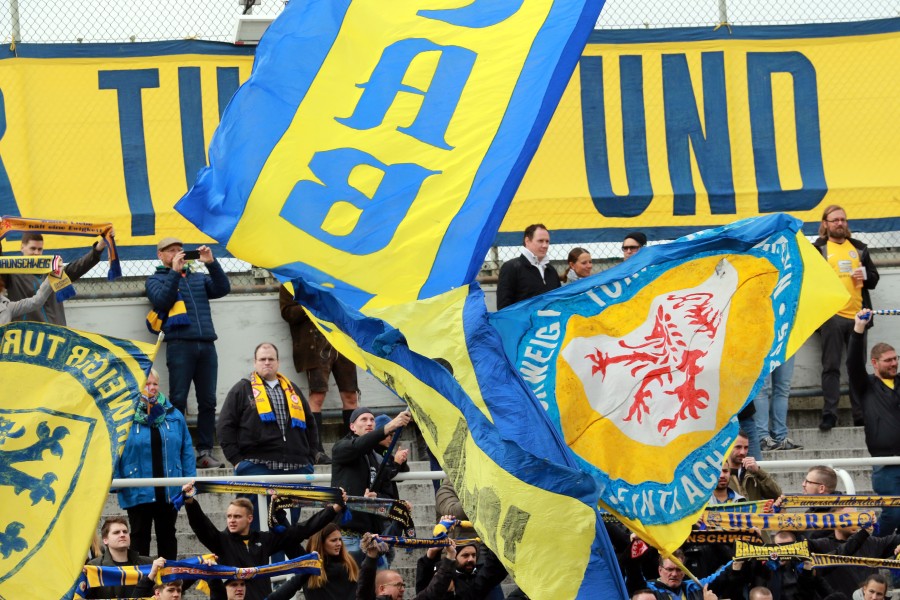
{"points": [[14, 17]]}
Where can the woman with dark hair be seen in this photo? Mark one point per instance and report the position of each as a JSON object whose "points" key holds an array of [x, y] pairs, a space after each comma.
{"points": [[579, 265], [159, 445], [339, 571], [10, 310]]}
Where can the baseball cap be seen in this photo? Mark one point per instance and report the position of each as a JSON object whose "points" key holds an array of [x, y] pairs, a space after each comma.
{"points": [[168, 241]]}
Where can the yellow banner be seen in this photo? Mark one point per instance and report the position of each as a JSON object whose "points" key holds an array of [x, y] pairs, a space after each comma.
{"points": [[671, 131], [665, 131], [110, 132]]}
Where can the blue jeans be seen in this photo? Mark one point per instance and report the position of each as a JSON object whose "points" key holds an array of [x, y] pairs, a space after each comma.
{"points": [[886, 482], [245, 467], [195, 361], [771, 413], [748, 426]]}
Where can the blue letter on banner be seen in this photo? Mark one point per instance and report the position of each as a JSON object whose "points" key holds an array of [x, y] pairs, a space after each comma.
{"points": [[684, 131], [634, 127], [772, 198]]}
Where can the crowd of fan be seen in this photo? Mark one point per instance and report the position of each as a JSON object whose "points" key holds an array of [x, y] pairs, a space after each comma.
{"points": [[268, 427]]}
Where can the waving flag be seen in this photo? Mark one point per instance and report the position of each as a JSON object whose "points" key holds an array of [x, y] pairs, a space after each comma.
{"points": [[377, 145], [519, 483], [654, 357], [68, 407]]}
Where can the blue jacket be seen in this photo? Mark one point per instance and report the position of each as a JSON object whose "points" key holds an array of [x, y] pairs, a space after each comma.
{"points": [[136, 461], [196, 290]]}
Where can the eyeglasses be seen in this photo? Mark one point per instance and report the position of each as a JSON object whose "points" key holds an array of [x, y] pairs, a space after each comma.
{"points": [[398, 584], [670, 569], [630, 248], [805, 481], [836, 220]]}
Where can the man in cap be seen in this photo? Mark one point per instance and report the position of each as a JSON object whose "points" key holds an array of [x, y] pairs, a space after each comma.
{"points": [[354, 467], [180, 297]]}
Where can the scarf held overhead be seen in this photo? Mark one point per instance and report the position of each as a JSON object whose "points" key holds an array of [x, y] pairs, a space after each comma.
{"points": [[730, 521], [10, 224], [310, 493]]}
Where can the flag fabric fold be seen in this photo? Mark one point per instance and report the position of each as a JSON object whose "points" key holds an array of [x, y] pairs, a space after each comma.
{"points": [[519, 483], [653, 359], [381, 143]]}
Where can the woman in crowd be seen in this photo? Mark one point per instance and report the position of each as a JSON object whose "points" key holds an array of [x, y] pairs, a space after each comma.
{"points": [[339, 571], [158, 445], [580, 265]]}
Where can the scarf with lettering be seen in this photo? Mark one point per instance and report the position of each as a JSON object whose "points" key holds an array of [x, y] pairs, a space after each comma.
{"points": [[10, 224], [308, 564], [315, 495], [93, 576], [399, 541], [730, 521], [865, 501], [38, 265], [835, 560], [264, 407], [386, 508]]}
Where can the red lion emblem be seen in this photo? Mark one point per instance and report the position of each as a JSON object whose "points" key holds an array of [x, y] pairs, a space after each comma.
{"points": [[670, 347]]}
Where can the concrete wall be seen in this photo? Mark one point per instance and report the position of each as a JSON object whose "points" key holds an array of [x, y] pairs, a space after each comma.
{"points": [[243, 321]]}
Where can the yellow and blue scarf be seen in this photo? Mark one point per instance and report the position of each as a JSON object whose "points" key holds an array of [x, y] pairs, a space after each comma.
{"points": [[264, 407], [10, 224]]}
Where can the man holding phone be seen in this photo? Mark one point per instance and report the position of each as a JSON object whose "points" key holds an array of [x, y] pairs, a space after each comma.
{"points": [[181, 298]]}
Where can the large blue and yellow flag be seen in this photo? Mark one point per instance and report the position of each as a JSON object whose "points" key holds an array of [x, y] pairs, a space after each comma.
{"points": [[653, 359], [377, 145], [67, 409], [518, 482]]}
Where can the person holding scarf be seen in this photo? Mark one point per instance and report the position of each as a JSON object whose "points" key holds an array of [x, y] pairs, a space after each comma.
{"points": [[12, 309], [158, 445]]}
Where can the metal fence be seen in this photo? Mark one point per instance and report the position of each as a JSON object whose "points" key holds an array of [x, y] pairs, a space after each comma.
{"points": [[70, 21]]}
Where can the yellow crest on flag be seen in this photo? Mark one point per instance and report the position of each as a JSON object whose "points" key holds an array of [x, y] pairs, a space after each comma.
{"points": [[61, 431]]}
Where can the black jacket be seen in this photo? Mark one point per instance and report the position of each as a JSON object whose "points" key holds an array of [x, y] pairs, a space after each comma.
{"points": [[244, 435], [437, 590], [255, 549], [865, 259], [474, 586], [520, 280], [880, 404], [353, 464]]}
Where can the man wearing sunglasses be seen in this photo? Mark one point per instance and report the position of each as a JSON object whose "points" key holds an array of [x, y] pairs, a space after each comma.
{"points": [[632, 243]]}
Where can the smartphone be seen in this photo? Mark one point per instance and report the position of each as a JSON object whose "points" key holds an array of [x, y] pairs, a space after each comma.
{"points": [[191, 255]]}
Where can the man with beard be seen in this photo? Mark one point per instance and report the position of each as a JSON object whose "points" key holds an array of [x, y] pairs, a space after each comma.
{"points": [[722, 494], [880, 395], [851, 262], [747, 478], [468, 582]]}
